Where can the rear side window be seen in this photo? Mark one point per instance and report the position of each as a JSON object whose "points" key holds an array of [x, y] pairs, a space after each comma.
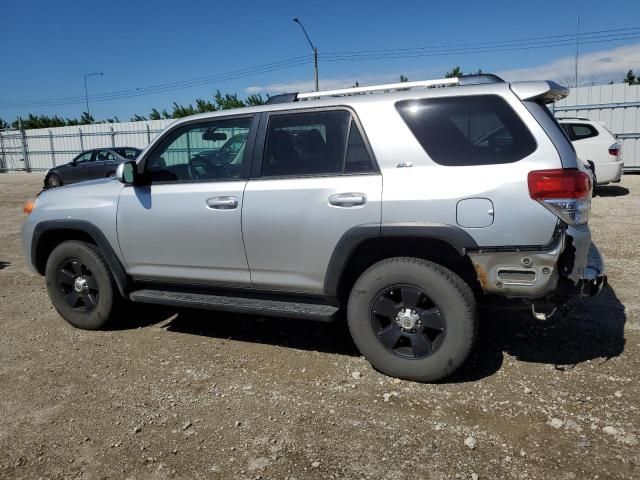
{"points": [[471, 130], [314, 143], [580, 131]]}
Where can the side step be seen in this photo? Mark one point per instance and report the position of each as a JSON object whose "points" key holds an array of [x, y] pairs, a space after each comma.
{"points": [[254, 306]]}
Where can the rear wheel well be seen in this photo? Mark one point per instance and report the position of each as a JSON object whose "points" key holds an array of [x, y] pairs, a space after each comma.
{"points": [[373, 250], [51, 239]]}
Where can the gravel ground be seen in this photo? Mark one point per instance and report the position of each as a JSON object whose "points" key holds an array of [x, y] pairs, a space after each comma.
{"points": [[203, 395]]}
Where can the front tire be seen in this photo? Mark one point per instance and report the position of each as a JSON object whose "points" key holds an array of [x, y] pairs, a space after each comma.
{"points": [[81, 286], [54, 180], [412, 318]]}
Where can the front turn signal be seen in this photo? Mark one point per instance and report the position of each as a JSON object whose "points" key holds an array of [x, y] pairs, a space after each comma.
{"points": [[28, 206]]}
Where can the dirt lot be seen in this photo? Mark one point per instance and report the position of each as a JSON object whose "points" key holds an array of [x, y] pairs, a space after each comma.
{"points": [[205, 395]]}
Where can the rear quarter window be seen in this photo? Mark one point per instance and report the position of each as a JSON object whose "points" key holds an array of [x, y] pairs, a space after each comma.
{"points": [[580, 131], [468, 130]]}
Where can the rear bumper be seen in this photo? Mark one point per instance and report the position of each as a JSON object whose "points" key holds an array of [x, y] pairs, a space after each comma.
{"points": [[570, 266], [594, 278], [609, 171]]}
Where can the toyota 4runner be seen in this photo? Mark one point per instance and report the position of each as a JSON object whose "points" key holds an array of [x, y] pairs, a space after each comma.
{"points": [[402, 203]]}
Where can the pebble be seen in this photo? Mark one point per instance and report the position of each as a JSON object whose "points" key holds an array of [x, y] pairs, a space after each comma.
{"points": [[555, 423], [618, 394], [474, 476], [356, 375], [238, 423], [136, 429], [527, 390], [583, 442], [186, 425], [315, 464], [470, 442], [609, 430]]}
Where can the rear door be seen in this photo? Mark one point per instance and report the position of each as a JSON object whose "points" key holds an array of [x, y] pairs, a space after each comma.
{"points": [[313, 179]]}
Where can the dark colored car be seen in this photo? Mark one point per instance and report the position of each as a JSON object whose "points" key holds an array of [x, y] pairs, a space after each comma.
{"points": [[91, 164]]}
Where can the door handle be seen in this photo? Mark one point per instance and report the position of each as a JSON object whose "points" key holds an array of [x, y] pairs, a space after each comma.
{"points": [[222, 203], [351, 199]]}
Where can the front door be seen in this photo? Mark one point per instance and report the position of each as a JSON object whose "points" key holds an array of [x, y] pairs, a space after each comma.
{"points": [[103, 164], [184, 224], [316, 181], [78, 169]]}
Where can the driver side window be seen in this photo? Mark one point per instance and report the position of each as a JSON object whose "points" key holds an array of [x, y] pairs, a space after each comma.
{"points": [[204, 151]]}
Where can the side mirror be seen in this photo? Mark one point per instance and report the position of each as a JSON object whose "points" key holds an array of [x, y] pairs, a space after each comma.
{"points": [[126, 172]]}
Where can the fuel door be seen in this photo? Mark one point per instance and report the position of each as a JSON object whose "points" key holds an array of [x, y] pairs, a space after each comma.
{"points": [[475, 213]]}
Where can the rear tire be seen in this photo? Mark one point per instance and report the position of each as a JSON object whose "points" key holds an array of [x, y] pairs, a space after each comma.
{"points": [[412, 318], [81, 286], [54, 180]]}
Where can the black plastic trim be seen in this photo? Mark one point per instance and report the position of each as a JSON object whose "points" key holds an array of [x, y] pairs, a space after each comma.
{"points": [[460, 240], [122, 279]]}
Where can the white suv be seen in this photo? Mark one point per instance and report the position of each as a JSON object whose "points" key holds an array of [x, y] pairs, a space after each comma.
{"points": [[597, 146]]}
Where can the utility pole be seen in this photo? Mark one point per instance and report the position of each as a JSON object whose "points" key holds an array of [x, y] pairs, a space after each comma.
{"points": [[86, 92], [315, 52], [577, 41]]}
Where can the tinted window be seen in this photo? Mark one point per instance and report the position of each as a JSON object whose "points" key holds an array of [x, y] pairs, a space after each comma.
{"points": [[473, 130], [312, 143], [200, 152], [130, 153], [358, 159], [104, 155], [581, 131]]}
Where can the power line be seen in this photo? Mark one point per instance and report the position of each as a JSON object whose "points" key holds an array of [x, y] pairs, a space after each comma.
{"points": [[159, 88], [431, 51], [493, 43], [549, 41]]}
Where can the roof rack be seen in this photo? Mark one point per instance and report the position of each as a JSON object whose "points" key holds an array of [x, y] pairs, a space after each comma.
{"points": [[441, 82], [573, 118]]}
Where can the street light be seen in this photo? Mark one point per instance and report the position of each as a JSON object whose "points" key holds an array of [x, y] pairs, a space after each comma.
{"points": [[315, 51], [86, 94]]}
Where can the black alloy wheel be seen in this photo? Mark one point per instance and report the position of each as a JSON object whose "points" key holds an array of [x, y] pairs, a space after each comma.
{"points": [[79, 285], [407, 322]]}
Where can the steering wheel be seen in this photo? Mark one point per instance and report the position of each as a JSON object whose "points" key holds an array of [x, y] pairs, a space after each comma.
{"points": [[200, 166]]}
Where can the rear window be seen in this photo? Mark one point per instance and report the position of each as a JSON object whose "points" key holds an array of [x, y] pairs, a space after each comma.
{"points": [[471, 130]]}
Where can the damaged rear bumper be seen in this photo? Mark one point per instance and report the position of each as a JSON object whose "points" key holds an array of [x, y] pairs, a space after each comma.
{"points": [[570, 265]]}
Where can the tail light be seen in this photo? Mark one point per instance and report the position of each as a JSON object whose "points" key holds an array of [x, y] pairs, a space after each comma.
{"points": [[615, 149], [565, 192]]}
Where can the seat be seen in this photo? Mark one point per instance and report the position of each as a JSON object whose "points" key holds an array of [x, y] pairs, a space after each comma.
{"points": [[282, 157]]}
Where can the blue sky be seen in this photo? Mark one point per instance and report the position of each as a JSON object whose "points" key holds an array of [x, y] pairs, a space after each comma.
{"points": [[48, 46]]}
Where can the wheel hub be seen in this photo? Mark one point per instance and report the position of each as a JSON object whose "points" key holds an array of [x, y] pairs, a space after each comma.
{"points": [[407, 319], [80, 285]]}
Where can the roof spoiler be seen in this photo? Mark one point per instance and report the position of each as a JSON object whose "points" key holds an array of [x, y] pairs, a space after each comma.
{"points": [[545, 91]]}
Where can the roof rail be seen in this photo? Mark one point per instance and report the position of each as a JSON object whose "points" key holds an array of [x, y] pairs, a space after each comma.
{"points": [[441, 82]]}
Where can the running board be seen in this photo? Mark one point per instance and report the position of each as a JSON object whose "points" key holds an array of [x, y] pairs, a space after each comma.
{"points": [[253, 306]]}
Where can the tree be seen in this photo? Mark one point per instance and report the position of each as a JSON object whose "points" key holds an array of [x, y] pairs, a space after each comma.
{"points": [[253, 100], [455, 72], [138, 118], [3, 125], [631, 79], [227, 101]]}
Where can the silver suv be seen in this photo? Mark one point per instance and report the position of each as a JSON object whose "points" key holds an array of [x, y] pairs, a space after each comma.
{"points": [[403, 204]]}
